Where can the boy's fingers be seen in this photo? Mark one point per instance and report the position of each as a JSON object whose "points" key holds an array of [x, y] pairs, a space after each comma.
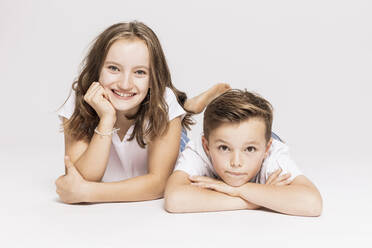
{"points": [[284, 182], [274, 175], [200, 179], [284, 177]]}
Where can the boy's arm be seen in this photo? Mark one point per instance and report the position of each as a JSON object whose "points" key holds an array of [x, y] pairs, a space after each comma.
{"points": [[181, 197], [300, 197]]}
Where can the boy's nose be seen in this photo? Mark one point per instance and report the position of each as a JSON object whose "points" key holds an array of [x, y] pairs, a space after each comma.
{"points": [[235, 160]]}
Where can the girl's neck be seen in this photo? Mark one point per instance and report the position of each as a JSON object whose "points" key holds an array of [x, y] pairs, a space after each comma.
{"points": [[123, 123]]}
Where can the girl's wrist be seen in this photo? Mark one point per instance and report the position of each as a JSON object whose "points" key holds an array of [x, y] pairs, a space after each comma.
{"points": [[88, 191], [107, 122]]}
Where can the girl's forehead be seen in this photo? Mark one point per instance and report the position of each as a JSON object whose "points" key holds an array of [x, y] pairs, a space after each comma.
{"points": [[129, 51]]}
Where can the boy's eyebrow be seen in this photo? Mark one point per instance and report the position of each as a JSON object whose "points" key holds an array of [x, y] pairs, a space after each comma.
{"points": [[245, 143], [252, 142], [222, 141]]}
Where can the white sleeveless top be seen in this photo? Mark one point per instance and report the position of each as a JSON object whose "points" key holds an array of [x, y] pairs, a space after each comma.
{"points": [[127, 159]]}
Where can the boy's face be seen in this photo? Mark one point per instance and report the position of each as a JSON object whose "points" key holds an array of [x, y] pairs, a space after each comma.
{"points": [[237, 150]]}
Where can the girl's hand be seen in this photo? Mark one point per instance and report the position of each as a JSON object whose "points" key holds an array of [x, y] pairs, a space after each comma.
{"points": [[214, 184], [71, 188], [275, 179], [98, 99]]}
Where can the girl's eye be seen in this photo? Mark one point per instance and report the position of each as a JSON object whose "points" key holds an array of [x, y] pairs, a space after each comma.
{"points": [[113, 68], [223, 148], [251, 149], [141, 72]]}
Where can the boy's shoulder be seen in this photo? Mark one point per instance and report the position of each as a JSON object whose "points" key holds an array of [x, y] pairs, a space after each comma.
{"points": [[194, 161], [278, 157]]}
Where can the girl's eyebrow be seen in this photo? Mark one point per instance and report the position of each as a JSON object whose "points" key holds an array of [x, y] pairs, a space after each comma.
{"points": [[112, 62], [115, 63], [142, 66]]}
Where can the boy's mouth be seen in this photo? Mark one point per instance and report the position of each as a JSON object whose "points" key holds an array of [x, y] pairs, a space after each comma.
{"points": [[236, 173]]}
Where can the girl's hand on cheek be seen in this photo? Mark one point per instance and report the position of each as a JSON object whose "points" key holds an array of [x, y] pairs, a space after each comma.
{"points": [[214, 184], [98, 99], [72, 188]]}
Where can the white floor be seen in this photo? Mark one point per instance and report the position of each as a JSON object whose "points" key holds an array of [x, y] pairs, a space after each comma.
{"points": [[31, 215]]}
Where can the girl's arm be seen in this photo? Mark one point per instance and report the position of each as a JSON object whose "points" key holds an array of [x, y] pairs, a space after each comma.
{"points": [[162, 155], [181, 197], [90, 159]]}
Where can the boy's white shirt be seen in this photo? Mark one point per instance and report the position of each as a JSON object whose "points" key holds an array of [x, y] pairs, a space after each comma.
{"points": [[195, 162], [127, 159]]}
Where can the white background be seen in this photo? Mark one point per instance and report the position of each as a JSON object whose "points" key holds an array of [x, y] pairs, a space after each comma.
{"points": [[311, 59]]}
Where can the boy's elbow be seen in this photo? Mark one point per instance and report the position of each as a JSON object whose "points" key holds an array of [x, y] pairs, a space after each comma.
{"points": [[315, 205], [173, 201]]}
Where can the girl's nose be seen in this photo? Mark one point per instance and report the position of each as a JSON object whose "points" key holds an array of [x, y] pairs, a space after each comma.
{"points": [[126, 82]]}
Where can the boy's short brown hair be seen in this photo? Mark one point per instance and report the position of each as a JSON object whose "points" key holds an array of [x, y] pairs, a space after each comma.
{"points": [[235, 106]]}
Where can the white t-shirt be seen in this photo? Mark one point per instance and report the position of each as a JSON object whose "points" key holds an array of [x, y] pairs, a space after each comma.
{"points": [[195, 162], [127, 159]]}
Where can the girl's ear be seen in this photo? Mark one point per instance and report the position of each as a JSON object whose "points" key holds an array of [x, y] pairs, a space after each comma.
{"points": [[205, 145], [268, 147]]}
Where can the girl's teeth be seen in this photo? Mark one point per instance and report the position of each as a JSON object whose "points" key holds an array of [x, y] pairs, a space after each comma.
{"points": [[124, 94]]}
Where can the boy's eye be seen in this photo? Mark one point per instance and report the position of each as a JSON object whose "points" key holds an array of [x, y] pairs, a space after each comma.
{"points": [[251, 149], [223, 148], [141, 72], [113, 68]]}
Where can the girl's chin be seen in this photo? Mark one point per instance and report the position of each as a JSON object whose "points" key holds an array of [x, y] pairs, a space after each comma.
{"points": [[126, 110]]}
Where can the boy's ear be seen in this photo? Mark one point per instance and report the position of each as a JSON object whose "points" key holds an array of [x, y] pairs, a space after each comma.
{"points": [[205, 145], [268, 147]]}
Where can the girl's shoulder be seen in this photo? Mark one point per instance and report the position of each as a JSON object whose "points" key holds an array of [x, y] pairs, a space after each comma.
{"points": [[68, 107], [174, 108]]}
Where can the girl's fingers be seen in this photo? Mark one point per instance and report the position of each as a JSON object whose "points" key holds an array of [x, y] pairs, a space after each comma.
{"points": [[90, 92], [96, 92]]}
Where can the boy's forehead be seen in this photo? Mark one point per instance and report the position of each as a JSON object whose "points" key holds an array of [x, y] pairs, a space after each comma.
{"points": [[252, 130]]}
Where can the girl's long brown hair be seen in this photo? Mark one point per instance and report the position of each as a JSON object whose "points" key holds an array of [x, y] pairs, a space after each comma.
{"points": [[151, 120]]}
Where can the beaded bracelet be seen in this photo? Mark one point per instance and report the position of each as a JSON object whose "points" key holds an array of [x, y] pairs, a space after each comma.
{"points": [[106, 134]]}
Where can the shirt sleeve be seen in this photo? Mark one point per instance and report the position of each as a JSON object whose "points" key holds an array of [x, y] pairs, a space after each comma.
{"points": [[68, 108], [174, 108], [191, 163], [279, 157]]}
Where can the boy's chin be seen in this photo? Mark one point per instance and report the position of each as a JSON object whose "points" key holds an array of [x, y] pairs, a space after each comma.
{"points": [[234, 183]]}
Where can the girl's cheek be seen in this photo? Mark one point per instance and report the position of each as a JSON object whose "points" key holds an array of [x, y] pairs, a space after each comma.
{"points": [[107, 78]]}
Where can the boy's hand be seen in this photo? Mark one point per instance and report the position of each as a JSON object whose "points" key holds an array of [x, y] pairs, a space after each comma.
{"points": [[214, 184], [72, 187], [97, 97], [275, 179]]}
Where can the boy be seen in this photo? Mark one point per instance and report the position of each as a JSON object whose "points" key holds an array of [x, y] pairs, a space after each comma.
{"points": [[237, 165]]}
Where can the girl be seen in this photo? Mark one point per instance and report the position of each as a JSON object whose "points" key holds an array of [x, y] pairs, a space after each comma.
{"points": [[123, 123]]}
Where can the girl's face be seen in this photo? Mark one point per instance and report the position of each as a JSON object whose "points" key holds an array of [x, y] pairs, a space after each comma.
{"points": [[125, 74]]}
